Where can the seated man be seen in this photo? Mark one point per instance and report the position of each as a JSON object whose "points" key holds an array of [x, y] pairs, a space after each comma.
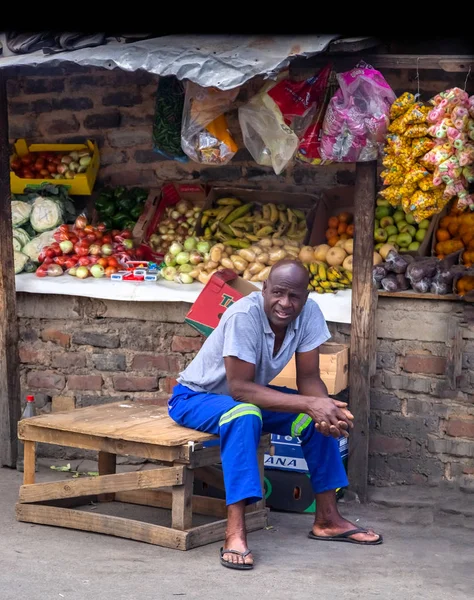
{"points": [[224, 391]]}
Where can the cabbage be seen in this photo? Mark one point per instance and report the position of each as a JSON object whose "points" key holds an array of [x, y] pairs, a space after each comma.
{"points": [[20, 213], [21, 235], [34, 247], [20, 260], [46, 214], [16, 245]]}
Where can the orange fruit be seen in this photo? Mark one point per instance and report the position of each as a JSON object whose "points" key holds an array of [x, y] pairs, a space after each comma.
{"points": [[345, 217], [350, 230], [342, 228], [332, 241], [442, 235], [453, 228], [343, 236], [333, 223], [445, 221], [330, 233]]}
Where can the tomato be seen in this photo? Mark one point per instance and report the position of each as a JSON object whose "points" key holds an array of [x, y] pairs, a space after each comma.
{"points": [[81, 222], [39, 164], [114, 232], [101, 227], [56, 249], [51, 168], [27, 159], [81, 234], [48, 261], [110, 271], [98, 235], [15, 164], [60, 260], [64, 228], [50, 253], [103, 262], [126, 234], [93, 259], [113, 262], [89, 229], [81, 250], [69, 263], [74, 239], [41, 272], [91, 237], [27, 174], [84, 261], [107, 239]]}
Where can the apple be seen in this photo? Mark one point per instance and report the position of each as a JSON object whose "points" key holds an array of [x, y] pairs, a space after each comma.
{"points": [[410, 219], [409, 229], [391, 230], [401, 224], [383, 202], [382, 211], [378, 246], [404, 240], [424, 224], [386, 222], [414, 246], [376, 224], [380, 235], [398, 215], [392, 239], [420, 235]]}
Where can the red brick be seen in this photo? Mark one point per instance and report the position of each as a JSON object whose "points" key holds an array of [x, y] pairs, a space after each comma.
{"points": [[69, 360], [167, 384], [186, 344], [48, 380], [84, 382], [387, 445], [56, 336], [124, 383], [468, 470], [424, 363], [156, 362], [32, 356], [460, 428]]}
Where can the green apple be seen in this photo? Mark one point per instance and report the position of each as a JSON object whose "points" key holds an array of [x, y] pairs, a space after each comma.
{"points": [[420, 235], [383, 202], [391, 230], [376, 224], [380, 235], [378, 246], [414, 246], [409, 229], [398, 215], [410, 219], [386, 221], [404, 240], [401, 224], [382, 211], [424, 224], [392, 239]]}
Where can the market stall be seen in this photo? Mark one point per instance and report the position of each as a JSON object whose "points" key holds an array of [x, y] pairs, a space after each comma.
{"points": [[340, 302]]}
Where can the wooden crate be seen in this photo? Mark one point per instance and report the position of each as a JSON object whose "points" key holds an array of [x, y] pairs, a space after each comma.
{"points": [[333, 365]]}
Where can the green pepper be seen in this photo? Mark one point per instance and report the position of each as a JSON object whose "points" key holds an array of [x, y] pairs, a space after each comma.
{"points": [[108, 224], [119, 191], [125, 204], [129, 225], [108, 209], [136, 211], [139, 194], [119, 219]]}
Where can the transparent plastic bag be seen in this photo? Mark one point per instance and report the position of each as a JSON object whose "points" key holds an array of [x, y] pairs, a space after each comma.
{"points": [[205, 137], [167, 119], [357, 117], [273, 120]]}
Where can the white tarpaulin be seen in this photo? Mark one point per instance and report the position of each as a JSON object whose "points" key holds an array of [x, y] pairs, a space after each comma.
{"points": [[335, 307], [222, 61]]}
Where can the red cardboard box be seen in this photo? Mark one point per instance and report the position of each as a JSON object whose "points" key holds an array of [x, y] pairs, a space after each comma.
{"points": [[221, 291]]}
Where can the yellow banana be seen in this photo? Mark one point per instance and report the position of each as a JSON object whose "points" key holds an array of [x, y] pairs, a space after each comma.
{"points": [[238, 243], [211, 212], [281, 207], [273, 213], [313, 267], [283, 216], [251, 237], [207, 233], [349, 275], [224, 211], [238, 233], [266, 211], [299, 214], [204, 220], [229, 202], [322, 273], [264, 231], [240, 211], [319, 289], [292, 218]]}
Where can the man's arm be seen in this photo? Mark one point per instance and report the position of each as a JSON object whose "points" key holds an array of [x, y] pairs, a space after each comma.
{"points": [[242, 387]]}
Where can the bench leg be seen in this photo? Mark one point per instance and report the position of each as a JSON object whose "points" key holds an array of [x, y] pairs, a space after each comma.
{"points": [[29, 462], [182, 502], [107, 466]]}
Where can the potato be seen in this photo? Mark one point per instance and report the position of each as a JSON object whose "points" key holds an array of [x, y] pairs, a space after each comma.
{"points": [[277, 254], [240, 264], [247, 254], [229, 250], [263, 258], [256, 267], [216, 253], [258, 250], [254, 277], [204, 277], [266, 243], [278, 242], [247, 275], [211, 264], [263, 275], [227, 263]]}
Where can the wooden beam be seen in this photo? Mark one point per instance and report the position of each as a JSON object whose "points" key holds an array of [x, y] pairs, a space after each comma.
{"points": [[29, 463], [104, 484], [9, 359], [362, 351], [107, 466], [182, 502]]}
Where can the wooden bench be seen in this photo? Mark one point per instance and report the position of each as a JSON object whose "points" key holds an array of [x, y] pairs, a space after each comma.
{"points": [[130, 428]]}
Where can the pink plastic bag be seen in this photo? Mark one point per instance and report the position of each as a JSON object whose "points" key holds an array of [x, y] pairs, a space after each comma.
{"points": [[357, 118]]}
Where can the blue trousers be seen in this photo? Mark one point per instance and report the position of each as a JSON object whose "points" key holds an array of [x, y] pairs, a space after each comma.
{"points": [[240, 426]]}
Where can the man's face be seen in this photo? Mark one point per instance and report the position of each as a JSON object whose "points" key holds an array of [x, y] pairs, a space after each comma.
{"points": [[284, 295]]}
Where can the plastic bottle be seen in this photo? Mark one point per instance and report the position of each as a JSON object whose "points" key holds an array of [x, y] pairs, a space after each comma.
{"points": [[28, 411]]}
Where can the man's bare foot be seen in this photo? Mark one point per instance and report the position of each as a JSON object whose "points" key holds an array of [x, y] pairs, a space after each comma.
{"points": [[239, 543], [336, 527]]}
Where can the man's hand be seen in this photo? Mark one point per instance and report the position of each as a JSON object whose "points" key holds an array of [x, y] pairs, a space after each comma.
{"points": [[331, 417]]}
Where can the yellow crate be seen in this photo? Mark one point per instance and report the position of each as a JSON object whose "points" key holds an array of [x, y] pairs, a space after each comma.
{"points": [[81, 185]]}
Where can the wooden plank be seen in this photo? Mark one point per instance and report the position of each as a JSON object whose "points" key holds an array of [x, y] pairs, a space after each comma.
{"points": [[210, 475], [107, 524], [202, 505], [90, 442], [87, 486], [182, 502], [412, 295], [9, 359], [362, 325], [29, 463], [214, 532], [107, 466], [125, 421]]}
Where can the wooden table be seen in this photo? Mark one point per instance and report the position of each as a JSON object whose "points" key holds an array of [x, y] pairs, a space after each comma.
{"points": [[130, 428]]}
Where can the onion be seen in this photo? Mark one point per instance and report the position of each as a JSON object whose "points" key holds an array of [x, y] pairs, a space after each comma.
{"points": [[175, 214], [74, 155], [54, 270], [185, 268], [97, 271], [183, 206], [195, 257], [107, 249], [184, 278], [85, 161], [176, 248], [66, 160], [66, 246], [168, 273], [169, 260], [82, 272], [203, 247], [182, 258], [162, 229], [74, 165]]}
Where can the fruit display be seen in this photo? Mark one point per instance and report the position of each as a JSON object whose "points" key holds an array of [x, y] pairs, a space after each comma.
{"points": [[240, 224], [177, 223], [339, 228], [401, 272], [455, 233], [394, 227], [50, 164], [328, 279], [119, 207], [184, 262], [464, 285]]}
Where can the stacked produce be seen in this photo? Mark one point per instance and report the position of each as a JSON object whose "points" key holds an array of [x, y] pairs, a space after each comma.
{"points": [[239, 224], [339, 228], [35, 216], [330, 268], [51, 165], [464, 285], [178, 222], [120, 208], [184, 262], [397, 228], [455, 233], [423, 275]]}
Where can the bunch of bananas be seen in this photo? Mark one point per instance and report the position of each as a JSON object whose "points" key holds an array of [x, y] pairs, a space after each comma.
{"points": [[239, 224], [328, 280]]}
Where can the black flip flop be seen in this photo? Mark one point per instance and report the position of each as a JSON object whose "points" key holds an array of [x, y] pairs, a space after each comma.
{"points": [[237, 566], [345, 537]]}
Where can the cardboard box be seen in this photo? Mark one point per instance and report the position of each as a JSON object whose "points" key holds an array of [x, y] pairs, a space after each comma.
{"points": [[303, 201], [223, 289], [148, 211], [333, 365]]}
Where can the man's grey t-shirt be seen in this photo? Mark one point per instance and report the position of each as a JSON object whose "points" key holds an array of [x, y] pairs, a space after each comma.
{"points": [[244, 332]]}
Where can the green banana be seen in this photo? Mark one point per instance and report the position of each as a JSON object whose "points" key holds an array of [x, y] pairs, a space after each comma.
{"points": [[264, 231], [239, 212], [225, 228], [229, 202]]}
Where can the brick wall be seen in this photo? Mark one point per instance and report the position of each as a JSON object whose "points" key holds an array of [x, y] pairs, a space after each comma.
{"points": [[77, 351]]}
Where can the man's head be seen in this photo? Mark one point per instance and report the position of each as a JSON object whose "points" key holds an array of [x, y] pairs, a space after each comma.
{"points": [[285, 292]]}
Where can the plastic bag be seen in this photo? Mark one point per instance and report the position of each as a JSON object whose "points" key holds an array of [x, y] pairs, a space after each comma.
{"points": [[274, 119], [357, 118], [204, 134], [167, 120]]}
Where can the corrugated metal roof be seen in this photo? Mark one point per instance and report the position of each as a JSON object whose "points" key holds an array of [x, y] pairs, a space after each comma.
{"points": [[221, 61]]}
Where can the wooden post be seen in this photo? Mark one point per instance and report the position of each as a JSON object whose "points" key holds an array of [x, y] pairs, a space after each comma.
{"points": [[107, 466], [364, 298], [29, 463], [182, 502], [9, 360]]}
